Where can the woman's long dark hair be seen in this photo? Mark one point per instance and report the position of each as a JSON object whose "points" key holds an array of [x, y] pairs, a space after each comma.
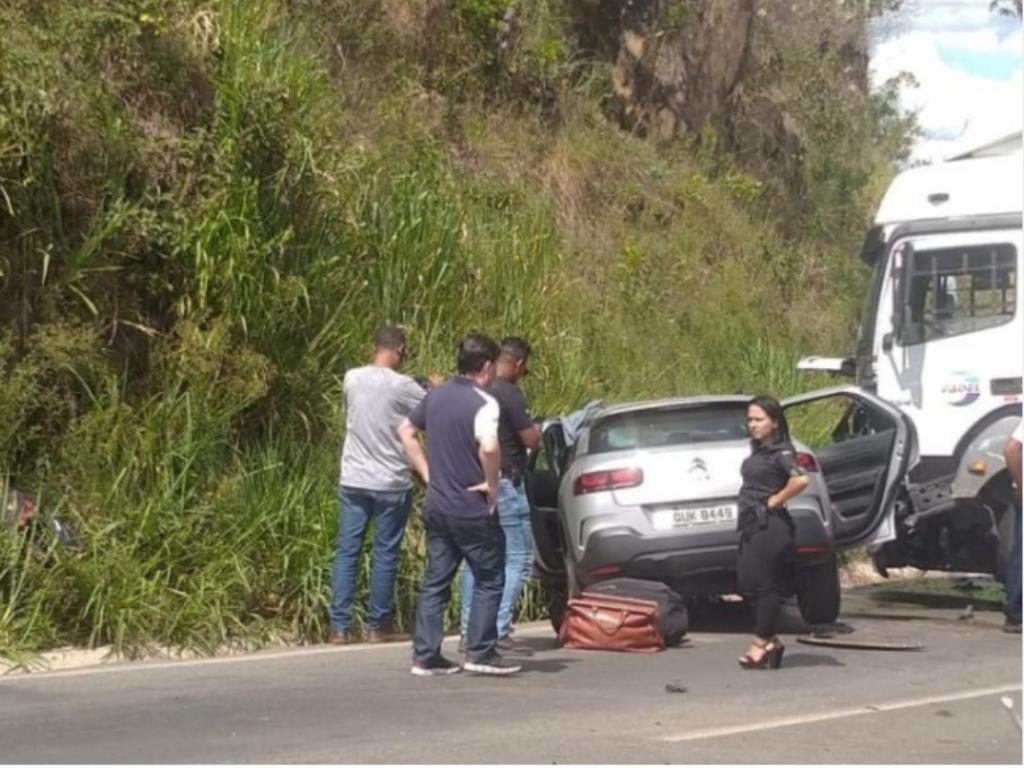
{"points": [[773, 411]]}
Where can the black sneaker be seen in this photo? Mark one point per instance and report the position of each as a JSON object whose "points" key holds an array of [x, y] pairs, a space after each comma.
{"points": [[439, 666], [506, 643], [492, 665]]}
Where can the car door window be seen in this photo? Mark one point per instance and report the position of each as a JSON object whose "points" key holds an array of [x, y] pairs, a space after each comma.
{"points": [[853, 443], [542, 480]]}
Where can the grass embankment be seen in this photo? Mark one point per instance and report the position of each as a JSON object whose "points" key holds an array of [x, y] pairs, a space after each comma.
{"points": [[207, 208]]}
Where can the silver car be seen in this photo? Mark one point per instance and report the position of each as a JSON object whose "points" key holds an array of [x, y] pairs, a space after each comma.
{"points": [[649, 490]]}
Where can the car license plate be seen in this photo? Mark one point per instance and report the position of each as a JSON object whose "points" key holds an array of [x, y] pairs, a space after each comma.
{"points": [[688, 517]]}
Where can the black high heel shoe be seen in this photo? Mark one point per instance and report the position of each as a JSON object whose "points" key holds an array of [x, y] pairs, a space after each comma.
{"points": [[770, 659]]}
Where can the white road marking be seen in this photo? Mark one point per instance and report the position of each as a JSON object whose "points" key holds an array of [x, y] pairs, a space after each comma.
{"points": [[867, 709], [537, 629], [119, 666]]}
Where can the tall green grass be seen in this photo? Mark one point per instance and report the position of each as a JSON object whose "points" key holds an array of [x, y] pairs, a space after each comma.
{"points": [[202, 227]]}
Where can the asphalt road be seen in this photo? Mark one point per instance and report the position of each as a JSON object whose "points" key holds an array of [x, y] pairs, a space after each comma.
{"points": [[359, 704]]}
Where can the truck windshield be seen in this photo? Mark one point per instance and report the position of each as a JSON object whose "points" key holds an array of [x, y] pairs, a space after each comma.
{"points": [[656, 427]]}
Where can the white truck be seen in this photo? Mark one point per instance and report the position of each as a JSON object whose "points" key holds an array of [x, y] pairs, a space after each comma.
{"points": [[942, 338]]}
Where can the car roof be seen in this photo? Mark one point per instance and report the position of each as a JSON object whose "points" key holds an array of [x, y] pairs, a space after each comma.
{"points": [[671, 402]]}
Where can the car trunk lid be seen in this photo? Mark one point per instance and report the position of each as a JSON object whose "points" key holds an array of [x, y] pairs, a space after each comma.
{"points": [[679, 474]]}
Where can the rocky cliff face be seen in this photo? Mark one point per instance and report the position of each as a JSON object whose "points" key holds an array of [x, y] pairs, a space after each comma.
{"points": [[770, 77], [680, 65]]}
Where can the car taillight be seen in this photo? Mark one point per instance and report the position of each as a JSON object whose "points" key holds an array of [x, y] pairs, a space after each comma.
{"points": [[607, 480], [806, 462]]}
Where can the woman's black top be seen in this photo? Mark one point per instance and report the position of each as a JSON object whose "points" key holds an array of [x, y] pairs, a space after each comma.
{"points": [[765, 471]]}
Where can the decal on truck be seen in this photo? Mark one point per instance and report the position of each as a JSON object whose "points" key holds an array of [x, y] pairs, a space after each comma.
{"points": [[962, 389]]}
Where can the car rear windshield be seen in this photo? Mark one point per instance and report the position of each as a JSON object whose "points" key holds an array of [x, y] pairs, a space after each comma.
{"points": [[679, 425]]}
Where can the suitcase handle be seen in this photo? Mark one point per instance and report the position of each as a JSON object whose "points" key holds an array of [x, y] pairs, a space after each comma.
{"points": [[601, 625]]}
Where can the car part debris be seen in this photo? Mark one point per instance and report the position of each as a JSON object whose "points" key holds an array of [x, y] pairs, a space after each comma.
{"points": [[831, 641], [19, 512], [16, 508]]}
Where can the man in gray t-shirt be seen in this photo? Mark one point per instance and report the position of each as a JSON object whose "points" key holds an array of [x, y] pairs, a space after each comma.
{"points": [[377, 398], [376, 484]]}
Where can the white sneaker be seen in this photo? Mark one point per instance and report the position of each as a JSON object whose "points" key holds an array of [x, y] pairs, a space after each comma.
{"points": [[441, 666]]}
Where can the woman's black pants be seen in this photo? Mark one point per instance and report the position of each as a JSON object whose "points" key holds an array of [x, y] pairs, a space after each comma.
{"points": [[764, 569]]}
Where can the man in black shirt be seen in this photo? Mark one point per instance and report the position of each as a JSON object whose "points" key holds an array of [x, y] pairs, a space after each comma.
{"points": [[461, 471], [516, 434]]}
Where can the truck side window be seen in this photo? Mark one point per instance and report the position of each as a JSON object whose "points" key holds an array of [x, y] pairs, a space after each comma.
{"points": [[961, 290]]}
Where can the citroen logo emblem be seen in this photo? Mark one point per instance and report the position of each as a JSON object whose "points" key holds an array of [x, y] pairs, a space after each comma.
{"points": [[699, 470]]}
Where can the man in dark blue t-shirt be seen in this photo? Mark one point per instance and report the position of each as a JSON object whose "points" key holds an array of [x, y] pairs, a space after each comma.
{"points": [[461, 471], [516, 434]]}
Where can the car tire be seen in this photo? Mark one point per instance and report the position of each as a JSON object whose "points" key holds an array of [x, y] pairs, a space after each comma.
{"points": [[558, 595], [817, 593], [557, 599]]}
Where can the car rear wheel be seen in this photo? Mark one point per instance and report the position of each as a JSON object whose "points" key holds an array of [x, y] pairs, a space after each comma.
{"points": [[558, 595], [556, 605], [818, 593]]}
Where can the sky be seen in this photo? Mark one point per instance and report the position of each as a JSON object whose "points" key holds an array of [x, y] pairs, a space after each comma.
{"points": [[969, 65]]}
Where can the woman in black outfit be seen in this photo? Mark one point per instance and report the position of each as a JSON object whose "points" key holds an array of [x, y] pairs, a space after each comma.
{"points": [[771, 477]]}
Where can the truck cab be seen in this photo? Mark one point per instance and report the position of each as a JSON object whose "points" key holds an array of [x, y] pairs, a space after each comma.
{"points": [[942, 338]]}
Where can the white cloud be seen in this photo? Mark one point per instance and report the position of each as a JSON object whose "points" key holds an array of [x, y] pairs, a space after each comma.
{"points": [[956, 108], [947, 16], [985, 41]]}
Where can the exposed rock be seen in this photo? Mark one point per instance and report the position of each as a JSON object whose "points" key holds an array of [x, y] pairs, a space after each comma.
{"points": [[674, 80], [680, 65], [419, 24]]}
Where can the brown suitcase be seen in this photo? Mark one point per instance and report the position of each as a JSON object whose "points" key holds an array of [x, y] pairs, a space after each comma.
{"points": [[598, 622]]}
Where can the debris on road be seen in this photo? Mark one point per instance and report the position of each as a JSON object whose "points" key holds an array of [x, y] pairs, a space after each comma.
{"points": [[832, 641], [673, 688]]}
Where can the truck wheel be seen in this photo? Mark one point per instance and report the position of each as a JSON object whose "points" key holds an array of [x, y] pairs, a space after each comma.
{"points": [[818, 593]]}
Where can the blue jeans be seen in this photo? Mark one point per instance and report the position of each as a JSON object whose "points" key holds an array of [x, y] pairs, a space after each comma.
{"points": [[389, 511], [480, 541], [1013, 577], [514, 515]]}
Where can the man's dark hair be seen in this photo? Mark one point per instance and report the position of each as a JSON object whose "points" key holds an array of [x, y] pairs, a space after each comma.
{"points": [[516, 348], [389, 337], [474, 351]]}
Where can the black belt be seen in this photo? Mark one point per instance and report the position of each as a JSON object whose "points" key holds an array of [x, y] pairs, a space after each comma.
{"points": [[760, 512], [514, 476]]}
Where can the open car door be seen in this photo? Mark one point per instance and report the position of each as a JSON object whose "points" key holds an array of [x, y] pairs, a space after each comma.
{"points": [[864, 446], [543, 475]]}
